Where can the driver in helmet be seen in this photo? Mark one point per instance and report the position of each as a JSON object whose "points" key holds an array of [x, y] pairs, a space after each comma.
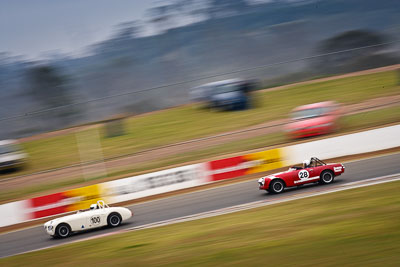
{"points": [[306, 163]]}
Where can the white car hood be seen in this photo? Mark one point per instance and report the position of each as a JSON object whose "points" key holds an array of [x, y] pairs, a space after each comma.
{"points": [[68, 217]]}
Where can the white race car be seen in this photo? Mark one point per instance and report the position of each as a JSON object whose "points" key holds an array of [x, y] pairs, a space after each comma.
{"points": [[98, 215]]}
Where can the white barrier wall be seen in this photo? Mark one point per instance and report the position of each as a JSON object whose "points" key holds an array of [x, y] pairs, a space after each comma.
{"points": [[13, 213], [351, 144], [154, 183]]}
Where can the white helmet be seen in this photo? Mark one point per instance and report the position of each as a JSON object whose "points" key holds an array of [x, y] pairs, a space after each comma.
{"points": [[306, 162]]}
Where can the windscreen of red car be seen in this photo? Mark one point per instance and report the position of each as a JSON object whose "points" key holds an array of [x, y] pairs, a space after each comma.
{"points": [[310, 113]]}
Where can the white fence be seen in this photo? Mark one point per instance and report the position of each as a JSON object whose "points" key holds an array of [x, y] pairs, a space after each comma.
{"points": [[350, 144]]}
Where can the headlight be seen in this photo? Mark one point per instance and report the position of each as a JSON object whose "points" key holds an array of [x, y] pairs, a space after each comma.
{"points": [[261, 181], [50, 227]]}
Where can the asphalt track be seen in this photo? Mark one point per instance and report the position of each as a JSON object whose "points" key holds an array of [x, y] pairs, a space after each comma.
{"points": [[197, 202]]}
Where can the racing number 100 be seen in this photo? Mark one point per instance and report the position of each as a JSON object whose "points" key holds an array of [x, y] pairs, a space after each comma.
{"points": [[95, 219]]}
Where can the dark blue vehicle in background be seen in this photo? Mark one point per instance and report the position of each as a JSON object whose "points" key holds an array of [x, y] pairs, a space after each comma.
{"points": [[233, 94]]}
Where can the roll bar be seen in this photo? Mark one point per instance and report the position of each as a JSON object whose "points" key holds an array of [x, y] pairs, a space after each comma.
{"points": [[101, 204], [318, 160]]}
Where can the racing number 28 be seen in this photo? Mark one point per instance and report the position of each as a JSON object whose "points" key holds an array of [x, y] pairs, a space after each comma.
{"points": [[303, 174]]}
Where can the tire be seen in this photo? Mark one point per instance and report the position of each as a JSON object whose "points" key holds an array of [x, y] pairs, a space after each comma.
{"points": [[326, 177], [114, 219], [63, 230], [276, 187]]}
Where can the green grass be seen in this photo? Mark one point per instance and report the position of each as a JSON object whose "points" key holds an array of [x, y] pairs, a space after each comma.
{"points": [[371, 118], [50, 153], [317, 231], [348, 123], [188, 122]]}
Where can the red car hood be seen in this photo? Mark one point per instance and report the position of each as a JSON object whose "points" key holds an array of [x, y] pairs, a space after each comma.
{"points": [[278, 174]]}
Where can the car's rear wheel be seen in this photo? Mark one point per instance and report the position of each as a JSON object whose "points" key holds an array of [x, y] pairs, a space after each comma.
{"points": [[326, 177], [63, 230], [114, 219], [276, 186]]}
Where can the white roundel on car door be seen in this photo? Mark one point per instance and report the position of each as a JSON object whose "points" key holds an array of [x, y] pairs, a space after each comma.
{"points": [[303, 174]]}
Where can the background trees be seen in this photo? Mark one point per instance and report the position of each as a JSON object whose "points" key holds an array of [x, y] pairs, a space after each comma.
{"points": [[51, 90], [375, 55]]}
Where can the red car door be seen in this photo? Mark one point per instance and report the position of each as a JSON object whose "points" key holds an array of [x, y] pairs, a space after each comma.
{"points": [[304, 176], [290, 178]]}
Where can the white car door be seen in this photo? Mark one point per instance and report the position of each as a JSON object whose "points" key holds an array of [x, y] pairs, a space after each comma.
{"points": [[77, 221], [96, 218]]}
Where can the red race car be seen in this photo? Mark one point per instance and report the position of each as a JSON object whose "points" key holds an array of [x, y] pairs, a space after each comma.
{"points": [[313, 119], [313, 170]]}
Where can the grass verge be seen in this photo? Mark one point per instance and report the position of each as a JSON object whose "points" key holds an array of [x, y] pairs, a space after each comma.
{"points": [[188, 122], [348, 123], [317, 231]]}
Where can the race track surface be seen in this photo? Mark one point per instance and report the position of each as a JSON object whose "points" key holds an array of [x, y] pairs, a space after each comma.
{"points": [[197, 202]]}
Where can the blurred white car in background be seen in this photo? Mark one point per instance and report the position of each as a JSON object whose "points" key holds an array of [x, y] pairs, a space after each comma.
{"points": [[11, 155]]}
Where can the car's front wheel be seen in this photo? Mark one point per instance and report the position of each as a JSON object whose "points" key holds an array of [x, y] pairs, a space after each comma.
{"points": [[114, 219], [326, 177], [276, 186], [62, 230]]}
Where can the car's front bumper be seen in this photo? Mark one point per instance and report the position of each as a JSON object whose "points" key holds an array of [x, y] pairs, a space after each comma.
{"points": [[311, 131], [263, 185], [50, 229]]}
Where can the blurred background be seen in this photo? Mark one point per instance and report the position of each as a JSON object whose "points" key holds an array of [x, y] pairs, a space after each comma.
{"points": [[128, 101], [85, 82], [176, 41]]}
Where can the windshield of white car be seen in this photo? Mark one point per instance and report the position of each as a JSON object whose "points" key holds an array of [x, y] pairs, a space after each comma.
{"points": [[83, 210]]}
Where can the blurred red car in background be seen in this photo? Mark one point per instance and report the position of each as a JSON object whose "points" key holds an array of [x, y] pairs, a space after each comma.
{"points": [[313, 119]]}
